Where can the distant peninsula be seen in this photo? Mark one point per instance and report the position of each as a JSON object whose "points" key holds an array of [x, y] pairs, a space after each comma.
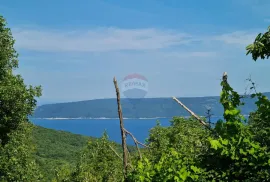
{"points": [[139, 108]]}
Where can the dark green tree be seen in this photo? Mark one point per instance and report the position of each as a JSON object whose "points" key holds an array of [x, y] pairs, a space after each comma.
{"points": [[235, 155], [17, 156], [260, 118], [17, 102], [99, 162], [186, 135]]}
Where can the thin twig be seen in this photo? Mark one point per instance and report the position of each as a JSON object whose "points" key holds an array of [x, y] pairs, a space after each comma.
{"points": [[129, 156], [120, 156], [116, 153], [123, 134], [135, 140]]}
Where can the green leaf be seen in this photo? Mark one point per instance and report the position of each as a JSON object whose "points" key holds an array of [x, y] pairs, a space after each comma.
{"points": [[225, 142], [215, 144]]}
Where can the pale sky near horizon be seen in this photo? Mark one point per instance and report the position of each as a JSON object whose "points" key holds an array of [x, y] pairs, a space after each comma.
{"points": [[75, 48]]}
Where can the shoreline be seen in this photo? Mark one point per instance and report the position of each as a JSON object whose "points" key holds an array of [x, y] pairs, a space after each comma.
{"points": [[102, 118]]}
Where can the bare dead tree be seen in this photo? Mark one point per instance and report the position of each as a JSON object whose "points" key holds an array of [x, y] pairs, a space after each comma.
{"points": [[123, 134]]}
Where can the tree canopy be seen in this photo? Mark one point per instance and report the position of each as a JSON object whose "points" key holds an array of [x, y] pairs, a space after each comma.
{"points": [[17, 101], [260, 48]]}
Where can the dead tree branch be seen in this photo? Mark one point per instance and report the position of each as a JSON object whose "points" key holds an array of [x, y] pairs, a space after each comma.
{"points": [[135, 140], [192, 113], [119, 155], [136, 143], [116, 153], [123, 134]]}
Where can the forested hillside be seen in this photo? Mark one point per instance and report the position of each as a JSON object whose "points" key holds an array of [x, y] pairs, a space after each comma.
{"points": [[142, 108], [56, 149]]}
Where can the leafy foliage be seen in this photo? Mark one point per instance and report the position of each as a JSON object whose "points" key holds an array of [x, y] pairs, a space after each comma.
{"points": [[173, 153], [57, 150], [17, 157], [17, 100], [185, 134], [261, 46], [172, 166], [98, 162], [259, 120], [235, 155]]}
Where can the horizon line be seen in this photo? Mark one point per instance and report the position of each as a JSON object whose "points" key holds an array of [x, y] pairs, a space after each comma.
{"points": [[66, 102]]}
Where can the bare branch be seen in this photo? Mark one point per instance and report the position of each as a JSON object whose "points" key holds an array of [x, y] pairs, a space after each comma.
{"points": [[135, 140], [253, 85], [119, 156], [136, 143], [192, 113], [116, 153]]}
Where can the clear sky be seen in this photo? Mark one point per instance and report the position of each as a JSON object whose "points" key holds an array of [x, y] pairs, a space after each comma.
{"points": [[75, 48]]}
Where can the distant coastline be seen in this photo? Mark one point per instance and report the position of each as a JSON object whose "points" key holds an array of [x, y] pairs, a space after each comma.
{"points": [[56, 118], [101, 118], [150, 108]]}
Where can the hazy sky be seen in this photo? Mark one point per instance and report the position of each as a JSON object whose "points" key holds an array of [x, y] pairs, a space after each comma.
{"points": [[75, 48]]}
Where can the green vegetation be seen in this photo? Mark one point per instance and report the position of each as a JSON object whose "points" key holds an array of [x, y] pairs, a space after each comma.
{"points": [[232, 150], [261, 46], [95, 158], [17, 102], [59, 151], [17, 157], [57, 148], [144, 108]]}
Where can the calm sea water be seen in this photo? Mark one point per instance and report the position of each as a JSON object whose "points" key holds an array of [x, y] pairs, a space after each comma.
{"points": [[95, 127]]}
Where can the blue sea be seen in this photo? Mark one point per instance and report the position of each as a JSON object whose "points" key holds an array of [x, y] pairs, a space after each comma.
{"points": [[95, 127]]}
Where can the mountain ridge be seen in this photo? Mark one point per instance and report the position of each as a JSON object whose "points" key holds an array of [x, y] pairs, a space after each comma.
{"points": [[137, 108]]}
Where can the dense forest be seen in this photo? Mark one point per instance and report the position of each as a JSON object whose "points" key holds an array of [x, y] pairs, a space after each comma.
{"points": [[235, 149], [60, 148], [141, 108], [56, 148]]}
